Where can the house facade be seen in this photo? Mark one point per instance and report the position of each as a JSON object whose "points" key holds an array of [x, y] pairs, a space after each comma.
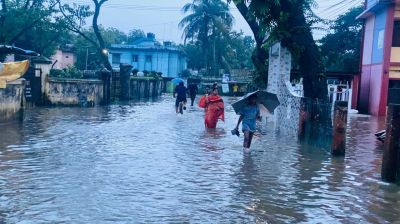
{"points": [[64, 57], [147, 54], [380, 55]]}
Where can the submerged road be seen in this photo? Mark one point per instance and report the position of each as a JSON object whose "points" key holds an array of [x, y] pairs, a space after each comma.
{"points": [[142, 163]]}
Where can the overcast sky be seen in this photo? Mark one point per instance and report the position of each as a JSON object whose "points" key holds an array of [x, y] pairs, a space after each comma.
{"points": [[162, 16]]}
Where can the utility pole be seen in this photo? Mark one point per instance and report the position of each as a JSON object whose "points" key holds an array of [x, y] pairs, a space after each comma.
{"points": [[87, 58]]}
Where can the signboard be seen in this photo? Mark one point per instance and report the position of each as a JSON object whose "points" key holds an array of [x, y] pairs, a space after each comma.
{"points": [[381, 38]]}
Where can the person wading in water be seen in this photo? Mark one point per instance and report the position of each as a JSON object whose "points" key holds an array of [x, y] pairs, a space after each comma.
{"points": [[193, 90], [214, 108], [180, 93], [248, 117]]}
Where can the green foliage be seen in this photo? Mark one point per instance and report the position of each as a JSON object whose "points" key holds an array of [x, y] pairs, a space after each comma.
{"points": [[134, 35], [68, 73], [33, 25], [111, 36], [290, 22], [185, 74], [232, 52], [341, 48], [206, 22]]}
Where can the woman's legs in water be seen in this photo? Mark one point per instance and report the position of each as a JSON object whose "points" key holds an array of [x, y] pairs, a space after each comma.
{"points": [[248, 137]]}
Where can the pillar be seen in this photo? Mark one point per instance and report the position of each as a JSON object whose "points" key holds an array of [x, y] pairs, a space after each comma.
{"points": [[125, 77], [339, 128], [106, 78], [391, 159]]}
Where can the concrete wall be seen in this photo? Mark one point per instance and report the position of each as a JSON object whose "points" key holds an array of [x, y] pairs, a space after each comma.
{"points": [[379, 36], [376, 61], [288, 113], [11, 100], [74, 92], [296, 116], [142, 89]]}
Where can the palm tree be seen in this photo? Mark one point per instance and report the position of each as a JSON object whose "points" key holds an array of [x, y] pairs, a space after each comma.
{"points": [[207, 20]]}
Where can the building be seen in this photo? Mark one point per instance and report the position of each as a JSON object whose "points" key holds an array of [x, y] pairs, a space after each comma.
{"points": [[147, 54], [380, 55], [64, 57]]}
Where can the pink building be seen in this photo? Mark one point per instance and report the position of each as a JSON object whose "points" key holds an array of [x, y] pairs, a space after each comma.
{"points": [[380, 56], [64, 58]]}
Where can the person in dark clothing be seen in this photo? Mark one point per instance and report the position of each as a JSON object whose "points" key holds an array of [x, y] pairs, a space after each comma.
{"points": [[193, 90], [180, 93]]}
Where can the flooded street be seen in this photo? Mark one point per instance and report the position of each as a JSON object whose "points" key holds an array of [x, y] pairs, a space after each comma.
{"points": [[142, 163]]}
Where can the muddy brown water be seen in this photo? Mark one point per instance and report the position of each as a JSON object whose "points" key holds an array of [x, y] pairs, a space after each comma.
{"points": [[141, 163]]}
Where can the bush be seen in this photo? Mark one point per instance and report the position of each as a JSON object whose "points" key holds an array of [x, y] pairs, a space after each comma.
{"points": [[186, 74], [67, 73]]}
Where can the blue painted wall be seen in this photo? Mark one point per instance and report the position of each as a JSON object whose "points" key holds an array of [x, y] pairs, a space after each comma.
{"points": [[379, 36], [170, 63]]}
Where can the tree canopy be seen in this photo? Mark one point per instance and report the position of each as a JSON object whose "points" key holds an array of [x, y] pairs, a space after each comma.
{"points": [[289, 21], [206, 22], [341, 47], [33, 25]]}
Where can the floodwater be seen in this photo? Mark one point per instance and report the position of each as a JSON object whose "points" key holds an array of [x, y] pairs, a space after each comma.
{"points": [[141, 163]]}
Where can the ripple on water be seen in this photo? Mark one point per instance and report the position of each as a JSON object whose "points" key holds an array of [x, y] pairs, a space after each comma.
{"points": [[140, 162]]}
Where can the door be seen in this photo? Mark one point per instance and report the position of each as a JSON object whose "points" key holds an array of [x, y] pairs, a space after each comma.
{"points": [[33, 88]]}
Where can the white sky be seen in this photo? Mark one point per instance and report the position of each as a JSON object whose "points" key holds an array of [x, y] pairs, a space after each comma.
{"points": [[162, 16]]}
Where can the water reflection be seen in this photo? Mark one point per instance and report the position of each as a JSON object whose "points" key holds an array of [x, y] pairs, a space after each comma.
{"points": [[140, 162]]}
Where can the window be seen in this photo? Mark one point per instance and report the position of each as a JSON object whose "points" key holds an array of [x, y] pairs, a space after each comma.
{"points": [[149, 58], [396, 34], [116, 58], [135, 58]]}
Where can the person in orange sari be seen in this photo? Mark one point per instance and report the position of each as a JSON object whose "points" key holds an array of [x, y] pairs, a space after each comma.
{"points": [[214, 108]]}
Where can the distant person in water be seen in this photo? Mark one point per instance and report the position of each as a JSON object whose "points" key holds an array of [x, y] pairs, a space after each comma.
{"points": [[248, 117], [180, 93], [193, 90], [214, 108]]}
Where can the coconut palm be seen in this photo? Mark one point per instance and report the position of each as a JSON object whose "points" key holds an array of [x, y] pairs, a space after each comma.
{"points": [[205, 21]]}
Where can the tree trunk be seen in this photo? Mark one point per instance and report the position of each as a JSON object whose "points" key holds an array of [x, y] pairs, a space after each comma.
{"points": [[302, 42], [260, 54], [103, 48], [205, 44], [260, 58]]}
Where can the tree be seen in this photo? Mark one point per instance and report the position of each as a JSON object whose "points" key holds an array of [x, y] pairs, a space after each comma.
{"points": [[207, 21], [76, 16], [231, 52], [87, 52], [260, 53], [134, 35], [341, 48], [289, 21], [31, 24]]}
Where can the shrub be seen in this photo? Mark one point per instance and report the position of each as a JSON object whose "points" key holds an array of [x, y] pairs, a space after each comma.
{"points": [[185, 74], [68, 73]]}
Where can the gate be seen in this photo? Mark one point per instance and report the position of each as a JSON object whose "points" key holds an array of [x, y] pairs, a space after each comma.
{"points": [[33, 87]]}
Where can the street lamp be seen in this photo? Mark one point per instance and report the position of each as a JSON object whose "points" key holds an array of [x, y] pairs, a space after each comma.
{"points": [[104, 51]]}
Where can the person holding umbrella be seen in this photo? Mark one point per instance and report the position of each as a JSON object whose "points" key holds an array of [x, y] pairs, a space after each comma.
{"points": [[248, 117]]}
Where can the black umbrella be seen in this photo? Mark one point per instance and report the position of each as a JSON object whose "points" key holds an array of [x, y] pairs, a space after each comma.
{"points": [[267, 99]]}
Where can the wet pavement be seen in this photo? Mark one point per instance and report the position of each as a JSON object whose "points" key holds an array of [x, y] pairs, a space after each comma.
{"points": [[142, 163]]}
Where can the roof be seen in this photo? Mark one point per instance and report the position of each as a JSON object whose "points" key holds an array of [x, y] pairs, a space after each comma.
{"points": [[146, 48], [148, 43], [373, 7]]}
